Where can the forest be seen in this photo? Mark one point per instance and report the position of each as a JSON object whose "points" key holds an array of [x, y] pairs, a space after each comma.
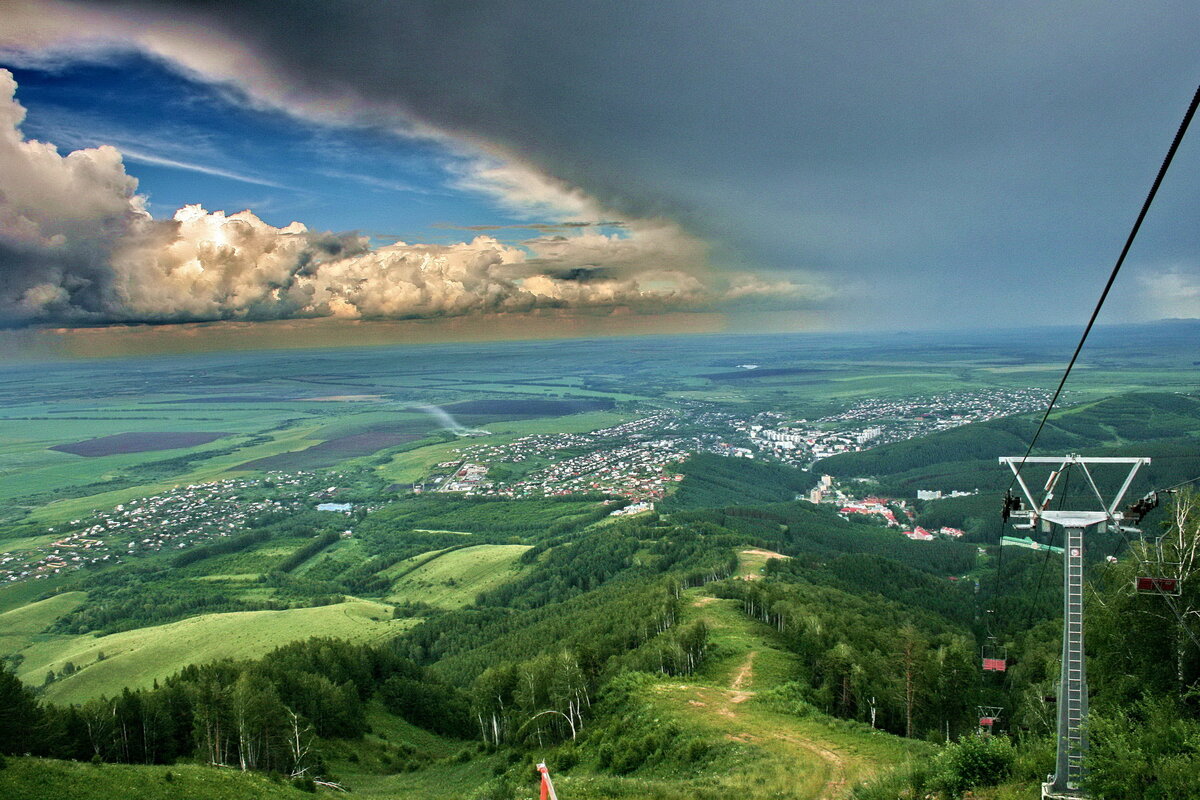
{"points": [[598, 620]]}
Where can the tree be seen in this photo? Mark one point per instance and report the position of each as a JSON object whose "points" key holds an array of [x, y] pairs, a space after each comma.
{"points": [[19, 715], [912, 652]]}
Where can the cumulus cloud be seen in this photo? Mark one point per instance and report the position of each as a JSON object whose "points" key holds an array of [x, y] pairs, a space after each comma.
{"points": [[61, 219], [932, 157], [77, 246]]}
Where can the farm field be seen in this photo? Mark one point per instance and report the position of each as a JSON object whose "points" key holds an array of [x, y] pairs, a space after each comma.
{"points": [[136, 658], [453, 579]]}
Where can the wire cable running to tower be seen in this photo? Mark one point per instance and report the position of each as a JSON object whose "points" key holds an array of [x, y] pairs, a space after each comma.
{"points": [[1137, 225]]}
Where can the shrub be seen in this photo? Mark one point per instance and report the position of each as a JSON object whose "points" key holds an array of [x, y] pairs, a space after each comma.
{"points": [[972, 761], [1149, 750], [304, 784]]}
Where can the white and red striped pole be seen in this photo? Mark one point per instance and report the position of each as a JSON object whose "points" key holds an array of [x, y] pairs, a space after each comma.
{"points": [[547, 784]]}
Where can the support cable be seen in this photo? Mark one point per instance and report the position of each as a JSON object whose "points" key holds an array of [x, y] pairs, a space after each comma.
{"points": [[1162, 171]]}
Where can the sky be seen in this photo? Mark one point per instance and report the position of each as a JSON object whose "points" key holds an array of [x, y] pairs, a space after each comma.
{"points": [[493, 169]]}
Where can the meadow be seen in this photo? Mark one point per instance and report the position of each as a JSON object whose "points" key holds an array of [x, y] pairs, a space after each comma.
{"points": [[40, 778], [136, 658], [453, 579]]}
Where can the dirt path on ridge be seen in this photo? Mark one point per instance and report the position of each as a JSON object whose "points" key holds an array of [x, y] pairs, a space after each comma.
{"points": [[743, 724], [743, 677], [834, 787]]}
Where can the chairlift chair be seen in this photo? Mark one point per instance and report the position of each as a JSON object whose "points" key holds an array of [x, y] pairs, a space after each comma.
{"points": [[988, 717], [995, 656], [1157, 574]]}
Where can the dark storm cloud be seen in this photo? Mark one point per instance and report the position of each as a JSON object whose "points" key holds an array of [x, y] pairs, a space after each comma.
{"points": [[975, 161]]}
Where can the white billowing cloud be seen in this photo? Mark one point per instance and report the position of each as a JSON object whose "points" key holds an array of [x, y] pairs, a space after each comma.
{"points": [[1173, 293], [61, 217], [77, 245], [212, 266]]}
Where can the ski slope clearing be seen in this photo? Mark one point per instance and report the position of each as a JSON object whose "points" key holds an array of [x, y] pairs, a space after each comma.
{"points": [[455, 578], [752, 562], [770, 744]]}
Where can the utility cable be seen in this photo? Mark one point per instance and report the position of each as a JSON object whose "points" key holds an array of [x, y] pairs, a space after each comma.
{"points": [[1178, 485]]}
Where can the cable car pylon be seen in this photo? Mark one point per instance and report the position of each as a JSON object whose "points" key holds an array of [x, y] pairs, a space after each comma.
{"points": [[1072, 692]]}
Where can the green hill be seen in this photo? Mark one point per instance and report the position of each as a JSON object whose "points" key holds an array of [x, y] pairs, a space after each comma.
{"points": [[965, 458], [711, 480], [20, 627], [104, 665]]}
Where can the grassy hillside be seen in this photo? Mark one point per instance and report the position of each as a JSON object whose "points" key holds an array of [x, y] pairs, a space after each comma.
{"points": [[453, 579], [20, 627], [136, 658], [48, 779]]}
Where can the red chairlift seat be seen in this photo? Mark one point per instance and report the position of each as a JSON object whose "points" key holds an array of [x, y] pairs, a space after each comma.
{"points": [[995, 657], [1158, 573], [1148, 584], [989, 716]]}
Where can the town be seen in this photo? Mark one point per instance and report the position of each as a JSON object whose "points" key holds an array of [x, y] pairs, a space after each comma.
{"points": [[176, 519], [636, 460]]}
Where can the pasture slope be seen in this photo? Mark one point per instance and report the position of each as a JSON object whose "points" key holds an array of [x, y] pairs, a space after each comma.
{"points": [[453, 578], [137, 658], [20, 627]]}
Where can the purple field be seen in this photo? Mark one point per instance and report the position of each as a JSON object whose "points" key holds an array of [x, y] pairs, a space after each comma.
{"points": [[332, 452], [120, 443], [518, 408]]}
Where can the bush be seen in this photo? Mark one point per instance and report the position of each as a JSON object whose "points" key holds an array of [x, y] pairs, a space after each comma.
{"points": [[304, 784], [790, 698], [1150, 750], [971, 762]]}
